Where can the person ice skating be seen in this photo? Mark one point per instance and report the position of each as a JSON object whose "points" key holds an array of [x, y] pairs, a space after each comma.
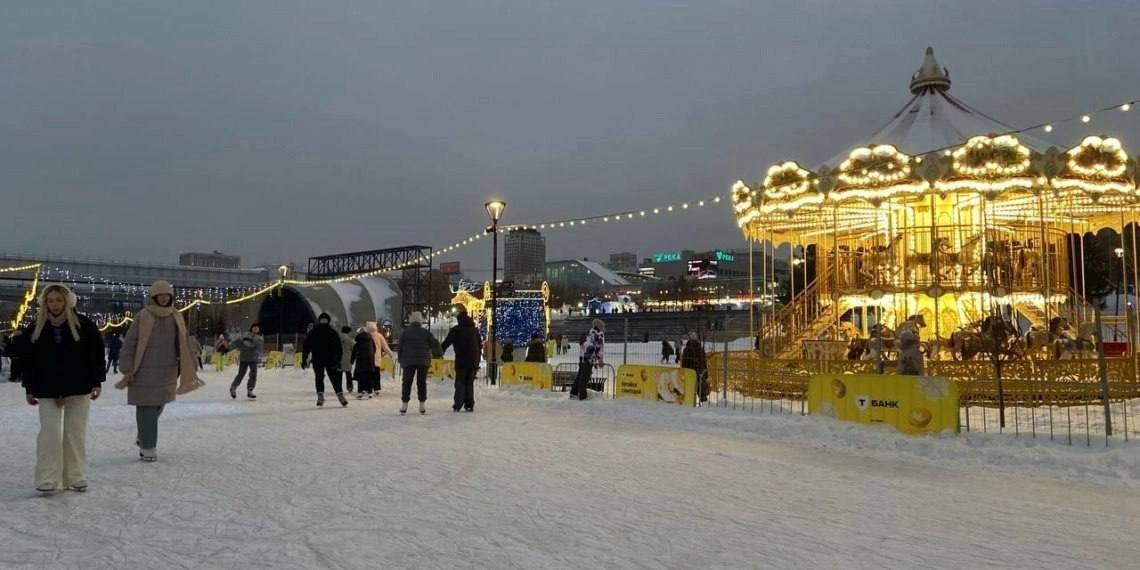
{"points": [[666, 351], [677, 350], [363, 359], [536, 349], [157, 364], [196, 351], [693, 357], [12, 351], [593, 350], [380, 344], [346, 345], [114, 349], [249, 351], [221, 347], [464, 337], [63, 371], [323, 344], [417, 346], [558, 346], [508, 351]]}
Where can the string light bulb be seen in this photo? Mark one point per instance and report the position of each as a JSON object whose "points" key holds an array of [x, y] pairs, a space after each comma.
{"points": [[1085, 118], [1125, 107], [1048, 128]]}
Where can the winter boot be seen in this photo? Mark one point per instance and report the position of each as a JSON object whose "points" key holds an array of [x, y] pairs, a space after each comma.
{"points": [[320, 398], [343, 401], [423, 408], [148, 455], [233, 392], [403, 408], [250, 395], [78, 486]]}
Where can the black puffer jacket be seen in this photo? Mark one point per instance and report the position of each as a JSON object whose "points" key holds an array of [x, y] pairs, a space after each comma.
{"points": [[417, 346], [323, 343], [363, 356], [465, 338], [70, 368]]}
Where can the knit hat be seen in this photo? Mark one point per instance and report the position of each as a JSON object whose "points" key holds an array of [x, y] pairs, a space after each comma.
{"points": [[161, 288], [324, 317], [416, 318]]}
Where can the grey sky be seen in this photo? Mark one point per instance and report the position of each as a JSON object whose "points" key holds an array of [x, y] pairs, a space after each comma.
{"points": [[283, 129]]}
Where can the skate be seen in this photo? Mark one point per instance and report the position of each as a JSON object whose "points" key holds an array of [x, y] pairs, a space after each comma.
{"points": [[250, 395], [148, 455], [78, 487], [46, 490], [423, 408], [320, 399], [403, 408], [341, 398], [233, 392]]}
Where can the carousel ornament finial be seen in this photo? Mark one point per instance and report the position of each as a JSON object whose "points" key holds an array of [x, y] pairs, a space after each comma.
{"points": [[930, 75]]}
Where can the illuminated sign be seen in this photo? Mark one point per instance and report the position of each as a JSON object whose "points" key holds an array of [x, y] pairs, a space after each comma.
{"points": [[724, 256], [666, 257]]}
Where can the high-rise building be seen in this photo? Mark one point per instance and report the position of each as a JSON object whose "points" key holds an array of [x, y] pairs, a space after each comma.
{"points": [[624, 261], [524, 257]]}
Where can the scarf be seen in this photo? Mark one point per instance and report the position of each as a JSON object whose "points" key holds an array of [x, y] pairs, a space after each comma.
{"points": [[188, 380]]}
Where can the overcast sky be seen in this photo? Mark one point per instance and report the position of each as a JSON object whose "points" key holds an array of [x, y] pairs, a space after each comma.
{"points": [[282, 129]]}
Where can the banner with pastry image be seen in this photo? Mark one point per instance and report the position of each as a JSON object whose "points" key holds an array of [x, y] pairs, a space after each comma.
{"points": [[912, 404], [666, 384]]}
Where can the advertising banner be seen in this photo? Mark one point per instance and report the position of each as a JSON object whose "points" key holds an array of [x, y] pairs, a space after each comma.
{"points": [[912, 404], [657, 384], [528, 374]]}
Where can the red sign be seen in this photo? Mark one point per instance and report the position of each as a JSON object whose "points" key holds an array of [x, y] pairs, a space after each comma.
{"points": [[449, 267]]}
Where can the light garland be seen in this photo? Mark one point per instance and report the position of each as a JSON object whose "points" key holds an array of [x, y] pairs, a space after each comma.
{"points": [[29, 298]]}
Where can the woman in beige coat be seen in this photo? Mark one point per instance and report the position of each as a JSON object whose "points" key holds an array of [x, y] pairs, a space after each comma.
{"points": [[157, 364]]}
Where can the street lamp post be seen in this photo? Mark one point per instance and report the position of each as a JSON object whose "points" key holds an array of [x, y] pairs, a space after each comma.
{"points": [[495, 209], [283, 270]]}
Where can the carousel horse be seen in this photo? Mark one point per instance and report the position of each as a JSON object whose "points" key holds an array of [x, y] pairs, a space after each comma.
{"points": [[993, 336], [1082, 346], [1039, 339]]}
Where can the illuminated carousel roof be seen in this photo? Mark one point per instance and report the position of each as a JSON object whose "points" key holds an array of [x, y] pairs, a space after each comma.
{"points": [[900, 166], [933, 118]]}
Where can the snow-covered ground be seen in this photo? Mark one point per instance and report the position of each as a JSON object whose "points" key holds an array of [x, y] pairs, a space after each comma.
{"points": [[532, 480]]}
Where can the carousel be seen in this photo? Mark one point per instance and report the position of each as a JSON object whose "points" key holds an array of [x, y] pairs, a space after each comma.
{"points": [[945, 225]]}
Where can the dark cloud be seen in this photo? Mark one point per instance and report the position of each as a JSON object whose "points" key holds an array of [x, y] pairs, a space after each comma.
{"points": [[280, 130]]}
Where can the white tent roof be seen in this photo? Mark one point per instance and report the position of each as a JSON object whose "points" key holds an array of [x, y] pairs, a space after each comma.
{"points": [[933, 119], [610, 276]]}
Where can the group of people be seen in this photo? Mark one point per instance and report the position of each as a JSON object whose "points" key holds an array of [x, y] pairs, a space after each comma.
{"points": [[64, 361]]}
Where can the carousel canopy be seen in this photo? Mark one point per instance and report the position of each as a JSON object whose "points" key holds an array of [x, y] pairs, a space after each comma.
{"points": [[933, 118], [939, 149]]}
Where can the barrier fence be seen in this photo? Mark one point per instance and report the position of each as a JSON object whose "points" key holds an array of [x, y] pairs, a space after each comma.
{"points": [[1064, 400]]}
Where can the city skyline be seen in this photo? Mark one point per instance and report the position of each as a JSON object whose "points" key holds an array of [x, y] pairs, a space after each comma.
{"points": [[192, 127]]}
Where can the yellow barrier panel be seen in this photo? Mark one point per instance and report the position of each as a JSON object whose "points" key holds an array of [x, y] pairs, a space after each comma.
{"points": [[441, 369], [388, 365], [297, 356], [657, 383], [275, 359], [232, 357], [912, 404], [530, 374]]}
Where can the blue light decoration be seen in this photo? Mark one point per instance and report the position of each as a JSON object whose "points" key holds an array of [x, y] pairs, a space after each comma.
{"points": [[520, 316]]}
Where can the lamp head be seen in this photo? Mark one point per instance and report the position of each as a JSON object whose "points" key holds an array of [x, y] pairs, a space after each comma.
{"points": [[495, 209]]}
